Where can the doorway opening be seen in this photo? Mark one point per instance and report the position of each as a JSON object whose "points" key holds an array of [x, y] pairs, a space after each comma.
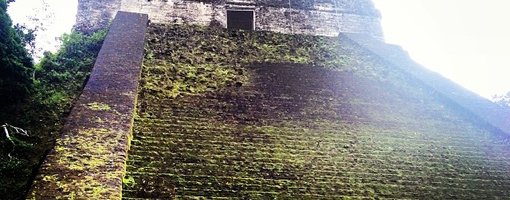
{"points": [[241, 19]]}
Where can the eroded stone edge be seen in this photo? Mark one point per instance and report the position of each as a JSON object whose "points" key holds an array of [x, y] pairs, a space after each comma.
{"points": [[88, 161]]}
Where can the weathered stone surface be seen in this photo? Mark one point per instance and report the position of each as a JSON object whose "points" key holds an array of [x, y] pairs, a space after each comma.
{"points": [[96, 14], [324, 17], [364, 129], [476, 107], [88, 161]]}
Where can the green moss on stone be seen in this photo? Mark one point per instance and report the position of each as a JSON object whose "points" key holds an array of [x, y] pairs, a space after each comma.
{"points": [[88, 142], [98, 106], [295, 131], [193, 59], [128, 182]]}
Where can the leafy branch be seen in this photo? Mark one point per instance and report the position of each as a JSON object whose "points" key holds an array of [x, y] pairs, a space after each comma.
{"points": [[502, 100], [17, 130]]}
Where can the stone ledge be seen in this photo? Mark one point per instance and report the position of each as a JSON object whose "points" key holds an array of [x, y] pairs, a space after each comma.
{"points": [[472, 106], [88, 161]]}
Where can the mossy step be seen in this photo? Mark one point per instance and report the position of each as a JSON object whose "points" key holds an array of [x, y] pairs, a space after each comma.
{"points": [[374, 158], [361, 151], [316, 142], [194, 168], [359, 186], [339, 175], [270, 130], [325, 125], [390, 140], [334, 102]]}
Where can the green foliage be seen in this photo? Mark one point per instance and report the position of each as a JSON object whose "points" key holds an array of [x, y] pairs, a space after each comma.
{"points": [[58, 80], [27, 37], [15, 62], [36, 98], [63, 73], [128, 182]]}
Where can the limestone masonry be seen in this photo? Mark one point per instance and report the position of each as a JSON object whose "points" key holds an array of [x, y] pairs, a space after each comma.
{"points": [[191, 112], [315, 17], [88, 161]]}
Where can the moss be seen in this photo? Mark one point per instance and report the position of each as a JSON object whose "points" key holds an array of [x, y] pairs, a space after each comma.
{"points": [[76, 188], [194, 60], [357, 130], [87, 153], [49, 178], [128, 182], [98, 106], [59, 78], [88, 143]]}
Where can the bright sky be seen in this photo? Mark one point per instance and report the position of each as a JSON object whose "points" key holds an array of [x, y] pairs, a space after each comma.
{"points": [[464, 40], [58, 18]]}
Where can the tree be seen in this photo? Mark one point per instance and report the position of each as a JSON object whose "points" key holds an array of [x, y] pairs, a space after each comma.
{"points": [[15, 62], [27, 38], [33, 25], [503, 100]]}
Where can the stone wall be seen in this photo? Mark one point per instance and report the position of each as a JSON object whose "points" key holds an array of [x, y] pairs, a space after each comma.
{"points": [[88, 161], [319, 17], [95, 14], [478, 109]]}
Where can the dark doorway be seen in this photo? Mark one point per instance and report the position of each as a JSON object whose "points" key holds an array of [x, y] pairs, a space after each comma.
{"points": [[240, 19]]}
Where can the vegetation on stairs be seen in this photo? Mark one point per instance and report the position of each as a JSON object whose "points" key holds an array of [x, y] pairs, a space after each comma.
{"points": [[257, 115]]}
